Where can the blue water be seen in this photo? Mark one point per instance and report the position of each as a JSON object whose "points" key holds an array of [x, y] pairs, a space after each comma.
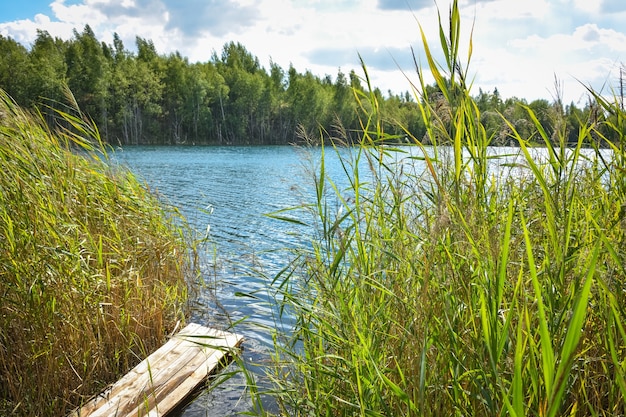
{"points": [[225, 193], [229, 191]]}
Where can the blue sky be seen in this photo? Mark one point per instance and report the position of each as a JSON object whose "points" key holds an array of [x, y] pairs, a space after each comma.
{"points": [[519, 46]]}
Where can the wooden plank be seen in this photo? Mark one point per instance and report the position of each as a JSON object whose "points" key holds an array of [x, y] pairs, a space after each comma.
{"points": [[139, 375], [188, 372], [174, 390], [164, 379], [134, 391]]}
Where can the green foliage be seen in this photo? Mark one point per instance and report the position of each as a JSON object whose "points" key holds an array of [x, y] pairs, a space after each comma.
{"points": [[149, 98], [94, 270], [446, 280], [47, 70], [13, 67]]}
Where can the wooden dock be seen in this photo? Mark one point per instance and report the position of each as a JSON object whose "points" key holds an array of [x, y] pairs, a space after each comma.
{"points": [[165, 378]]}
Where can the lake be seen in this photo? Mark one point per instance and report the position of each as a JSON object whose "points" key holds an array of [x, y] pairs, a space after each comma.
{"points": [[230, 190], [227, 192]]}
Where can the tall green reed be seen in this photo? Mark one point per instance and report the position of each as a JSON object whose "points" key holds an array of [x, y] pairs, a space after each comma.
{"points": [[94, 269], [456, 286]]}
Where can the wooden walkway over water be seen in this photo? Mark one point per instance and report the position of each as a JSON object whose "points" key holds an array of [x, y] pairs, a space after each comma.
{"points": [[166, 377]]}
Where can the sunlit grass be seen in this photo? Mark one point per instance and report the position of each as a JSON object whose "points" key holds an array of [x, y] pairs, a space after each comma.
{"points": [[464, 286], [94, 269]]}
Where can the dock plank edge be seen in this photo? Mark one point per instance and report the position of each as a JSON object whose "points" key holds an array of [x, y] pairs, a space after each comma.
{"points": [[163, 380]]}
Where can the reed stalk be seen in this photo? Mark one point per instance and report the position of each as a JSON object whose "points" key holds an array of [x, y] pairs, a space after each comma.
{"points": [[94, 269], [456, 282]]}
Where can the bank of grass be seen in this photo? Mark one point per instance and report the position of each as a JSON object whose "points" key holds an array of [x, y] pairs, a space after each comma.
{"points": [[466, 286], [93, 267]]}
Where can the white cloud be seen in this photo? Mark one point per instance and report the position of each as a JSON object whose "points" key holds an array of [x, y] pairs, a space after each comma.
{"points": [[75, 14], [527, 67], [587, 6], [25, 31], [518, 46], [508, 10], [588, 37]]}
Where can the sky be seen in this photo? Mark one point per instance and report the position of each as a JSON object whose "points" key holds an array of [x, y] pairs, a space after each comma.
{"points": [[530, 49]]}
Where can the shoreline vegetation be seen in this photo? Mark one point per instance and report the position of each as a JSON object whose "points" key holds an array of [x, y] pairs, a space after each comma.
{"points": [[144, 97], [95, 271], [453, 290], [468, 287]]}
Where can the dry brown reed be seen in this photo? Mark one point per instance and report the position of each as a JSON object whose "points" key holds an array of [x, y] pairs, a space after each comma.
{"points": [[94, 269]]}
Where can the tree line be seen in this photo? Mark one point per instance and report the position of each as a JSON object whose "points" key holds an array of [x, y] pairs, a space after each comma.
{"points": [[145, 97]]}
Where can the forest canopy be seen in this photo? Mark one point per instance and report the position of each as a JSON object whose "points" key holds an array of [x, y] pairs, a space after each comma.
{"points": [[146, 97]]}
